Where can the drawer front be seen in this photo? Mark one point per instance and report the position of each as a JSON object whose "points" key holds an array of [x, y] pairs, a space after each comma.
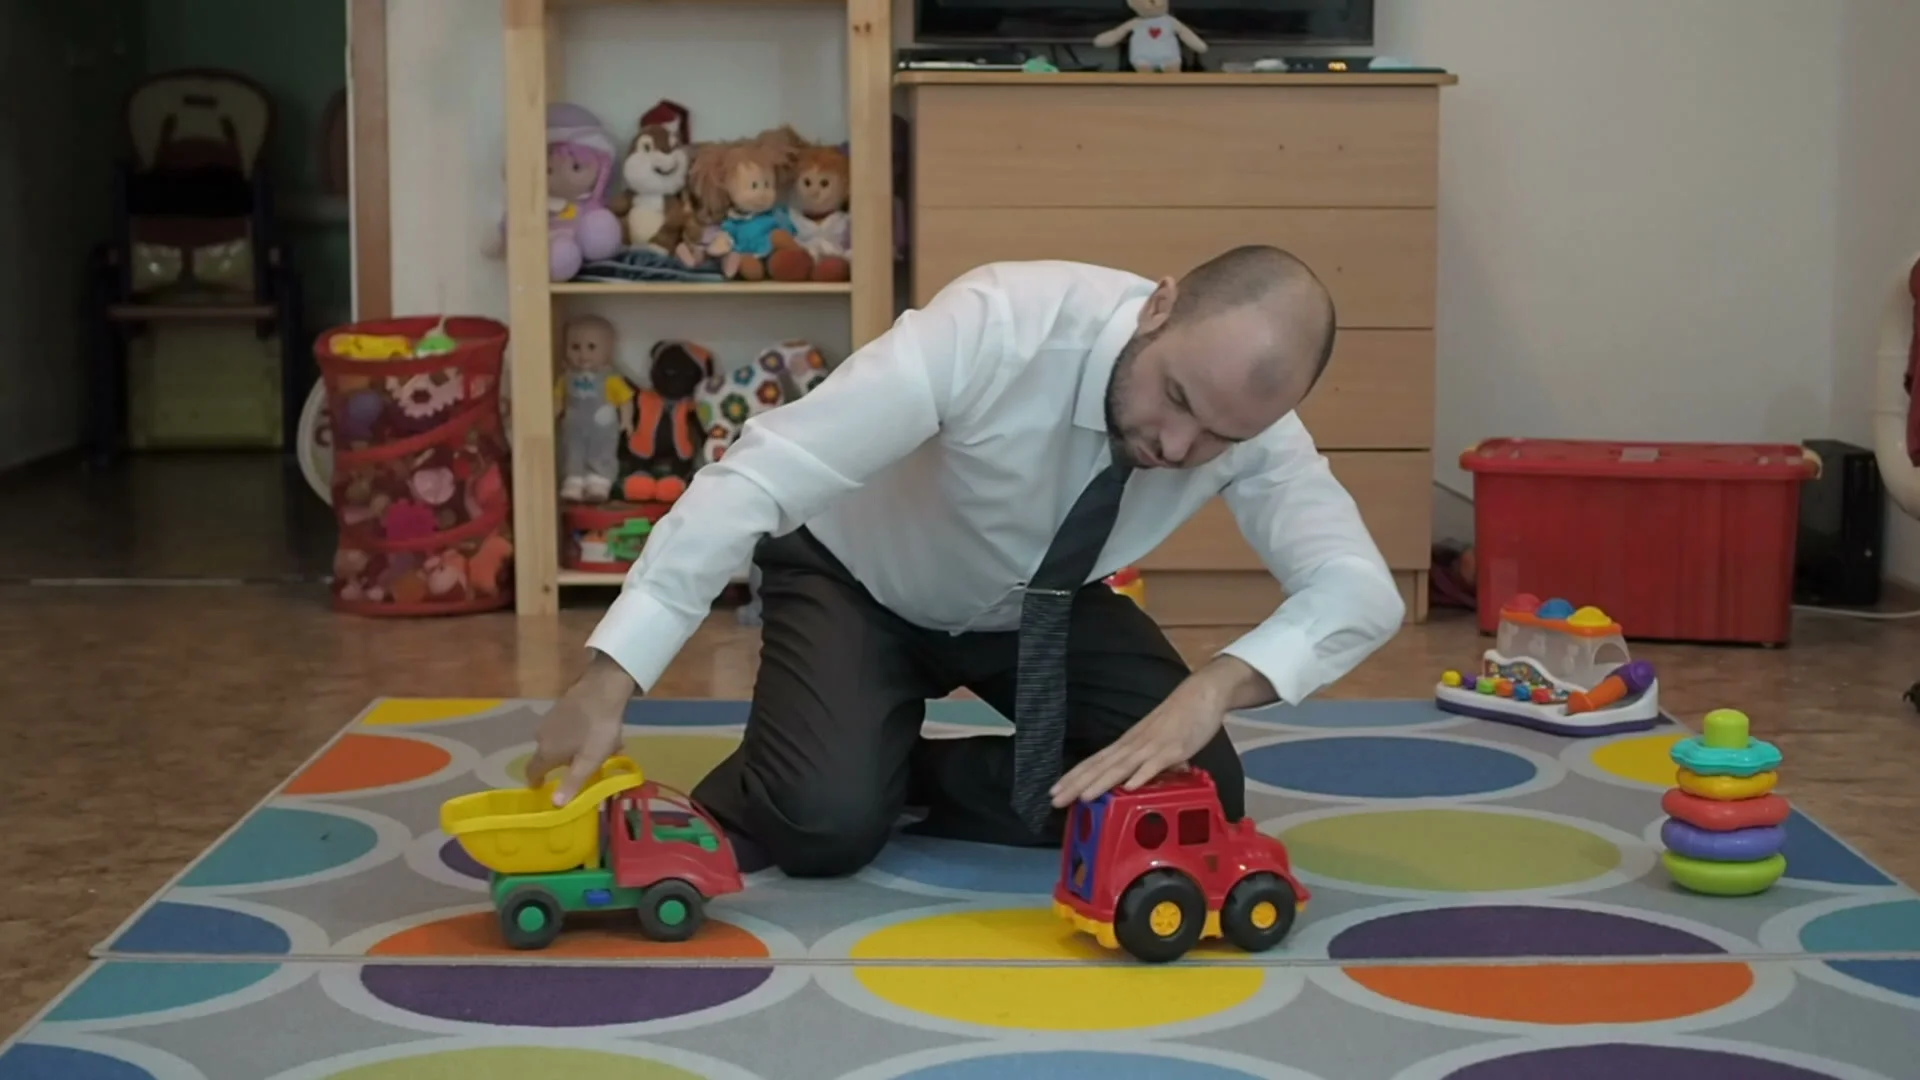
{"points": [[1224, 146], [1379, 264], [1393, 489], [1376, 394]]}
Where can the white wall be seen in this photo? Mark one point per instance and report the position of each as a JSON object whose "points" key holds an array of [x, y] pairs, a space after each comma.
{"points": [[750, 68], [1659, 220], [1877, 238]]}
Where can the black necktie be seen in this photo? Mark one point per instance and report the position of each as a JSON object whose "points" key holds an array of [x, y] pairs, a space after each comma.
{"points": [[1040, 697]]}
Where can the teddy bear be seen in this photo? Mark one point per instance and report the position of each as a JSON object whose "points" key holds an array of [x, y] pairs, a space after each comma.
{"points": [[820, 221], [737, 192], [655, 207], [663, 444], [1153, 37]]}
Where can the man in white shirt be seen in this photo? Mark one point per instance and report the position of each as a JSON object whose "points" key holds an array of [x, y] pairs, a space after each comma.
{"points": [[905, 514]]}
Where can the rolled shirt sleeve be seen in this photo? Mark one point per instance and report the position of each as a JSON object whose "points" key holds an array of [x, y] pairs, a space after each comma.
{"points": [[1341, 600]]}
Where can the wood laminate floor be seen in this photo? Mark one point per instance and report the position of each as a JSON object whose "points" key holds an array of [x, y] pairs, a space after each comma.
{"points": [[139, 722]]}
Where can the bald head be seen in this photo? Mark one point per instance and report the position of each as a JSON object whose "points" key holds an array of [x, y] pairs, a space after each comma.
{"points": [[1270, 289], [1219, 356]]}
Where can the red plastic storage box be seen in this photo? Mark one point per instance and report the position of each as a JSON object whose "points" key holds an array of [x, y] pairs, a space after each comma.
{"points": [[1675, 541]]}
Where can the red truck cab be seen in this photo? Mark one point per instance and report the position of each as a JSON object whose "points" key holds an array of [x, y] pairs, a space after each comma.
{"points": [[1156, 870]]}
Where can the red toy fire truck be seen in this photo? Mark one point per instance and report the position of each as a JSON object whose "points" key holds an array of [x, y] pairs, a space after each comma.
{"points": [[1155, 870]]}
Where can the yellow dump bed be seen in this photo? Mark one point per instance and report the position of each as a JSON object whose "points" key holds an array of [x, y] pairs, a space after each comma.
{"points": [[520, 831]]}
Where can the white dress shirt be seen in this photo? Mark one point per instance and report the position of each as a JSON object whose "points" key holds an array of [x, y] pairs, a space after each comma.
{"points": [[937, 462]]}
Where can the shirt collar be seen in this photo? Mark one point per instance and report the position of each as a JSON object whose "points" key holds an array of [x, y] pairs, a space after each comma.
{"points": [[1090, 406]]}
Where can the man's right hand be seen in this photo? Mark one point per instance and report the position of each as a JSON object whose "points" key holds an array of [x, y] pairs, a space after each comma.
{"points": [[583, 729]]}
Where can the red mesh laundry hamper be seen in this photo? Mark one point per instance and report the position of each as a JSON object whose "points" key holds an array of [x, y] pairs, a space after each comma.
{"points": [[421, 467]]}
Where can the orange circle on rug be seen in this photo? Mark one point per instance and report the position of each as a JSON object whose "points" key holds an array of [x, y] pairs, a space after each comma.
{"points": [[360, 762], [606, 936], [1562, 993]]}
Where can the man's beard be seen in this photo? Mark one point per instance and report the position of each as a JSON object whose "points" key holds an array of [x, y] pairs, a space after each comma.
{"points": [[1116, 387]]}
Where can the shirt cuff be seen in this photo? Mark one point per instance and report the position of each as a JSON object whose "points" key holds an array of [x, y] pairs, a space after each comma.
{"points": [[642, 635], [1284, 655]]}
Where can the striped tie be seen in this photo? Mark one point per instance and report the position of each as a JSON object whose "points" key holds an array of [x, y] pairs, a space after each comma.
{"points": [[1040, 698]]}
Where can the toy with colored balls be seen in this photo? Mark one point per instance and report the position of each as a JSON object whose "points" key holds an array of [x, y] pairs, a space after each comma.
{"points": [[1725, 832]]}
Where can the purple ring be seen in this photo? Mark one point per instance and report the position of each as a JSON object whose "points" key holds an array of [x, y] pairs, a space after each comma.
{"points": [[1738, 845]]}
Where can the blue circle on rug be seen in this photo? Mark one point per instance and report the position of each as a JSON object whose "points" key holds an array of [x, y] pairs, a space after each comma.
{"points": [[174, 927], [1814, 854], [115, 991], [455, 858], [1076, 1065], [1337, 714], [33, 1061], [959, 864], [1890, 926], [1386, 767], [654, 712], [280, 843]]}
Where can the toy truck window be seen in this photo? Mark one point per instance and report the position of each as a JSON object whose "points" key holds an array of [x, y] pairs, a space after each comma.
{"points": [[1150, 831], [1195, 826]]}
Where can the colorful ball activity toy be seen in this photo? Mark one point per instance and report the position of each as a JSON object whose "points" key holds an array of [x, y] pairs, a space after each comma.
{"points": [[1725, 829], [1559, 669]]}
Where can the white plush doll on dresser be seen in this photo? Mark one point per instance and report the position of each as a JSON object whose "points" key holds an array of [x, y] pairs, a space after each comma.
{"points": [[1153, 36]]}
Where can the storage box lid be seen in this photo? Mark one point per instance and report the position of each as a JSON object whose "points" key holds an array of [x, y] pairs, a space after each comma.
{"points": [[1652, 460]]}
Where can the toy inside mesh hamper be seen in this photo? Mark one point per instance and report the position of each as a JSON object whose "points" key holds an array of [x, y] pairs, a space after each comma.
{"points": [[421, 464]]}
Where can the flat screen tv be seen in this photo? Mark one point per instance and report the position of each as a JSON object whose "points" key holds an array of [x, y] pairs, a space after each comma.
{"points": [[1248, 22]]}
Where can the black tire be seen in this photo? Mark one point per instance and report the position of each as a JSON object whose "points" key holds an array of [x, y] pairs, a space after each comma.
{"points": [[531, 917], [1259, 912], [1160, 916], [672, 911]]}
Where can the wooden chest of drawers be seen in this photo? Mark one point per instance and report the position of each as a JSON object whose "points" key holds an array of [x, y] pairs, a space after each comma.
{"points": [[1157, 173]]}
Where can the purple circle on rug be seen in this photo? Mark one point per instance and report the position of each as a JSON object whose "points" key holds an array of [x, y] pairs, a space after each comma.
{"points": [[1739, 845], [1611, 1061], [456, 859], [558, 997], [1512, 930]]}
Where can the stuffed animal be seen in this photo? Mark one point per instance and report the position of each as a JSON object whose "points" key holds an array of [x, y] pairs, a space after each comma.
{"points": [[580, 173], [665, 436], [729, 398], [594, 401], [1153, 37], [820, 221], [737, 189], [657, 212]]}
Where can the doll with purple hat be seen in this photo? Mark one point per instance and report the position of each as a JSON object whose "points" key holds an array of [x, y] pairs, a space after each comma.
{"points": [[580, 176]]}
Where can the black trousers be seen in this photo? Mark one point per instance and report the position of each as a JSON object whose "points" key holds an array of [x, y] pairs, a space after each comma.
{"points": [[833, 752]]}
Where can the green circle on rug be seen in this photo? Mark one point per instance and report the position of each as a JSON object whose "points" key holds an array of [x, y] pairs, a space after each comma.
{"points": [[1450, 850], [678, 761], [528, 1061]]}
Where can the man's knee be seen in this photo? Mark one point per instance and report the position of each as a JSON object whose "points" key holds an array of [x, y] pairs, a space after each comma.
{"points": [[1222, 762], [816, 829]]}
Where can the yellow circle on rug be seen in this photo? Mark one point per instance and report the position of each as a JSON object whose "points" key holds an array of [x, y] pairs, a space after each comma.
{"points": [[528, 1061], [678, 761], [1449, 850], [1097, 991], [398, 712], [1726, 788], [1643, 759]]}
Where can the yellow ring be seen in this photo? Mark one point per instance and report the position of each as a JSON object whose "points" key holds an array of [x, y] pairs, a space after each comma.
{"points": [[1264, 915], [1726, 788], [1165, 919]]}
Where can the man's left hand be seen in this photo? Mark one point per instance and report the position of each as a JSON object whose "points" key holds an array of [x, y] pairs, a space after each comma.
{"points": [[1165, 738]]}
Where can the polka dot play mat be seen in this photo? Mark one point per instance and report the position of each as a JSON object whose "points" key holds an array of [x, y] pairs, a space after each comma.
{"points": [[1488, 905]]}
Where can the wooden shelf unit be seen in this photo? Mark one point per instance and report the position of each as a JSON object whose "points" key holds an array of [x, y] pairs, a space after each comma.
{"points": [[1156, 173], [533, 42]]}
